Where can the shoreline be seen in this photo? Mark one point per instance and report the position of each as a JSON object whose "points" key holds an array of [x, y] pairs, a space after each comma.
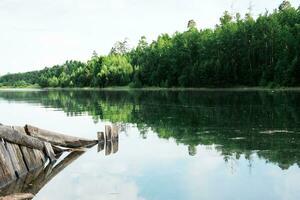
{"points": [[126, 88]]}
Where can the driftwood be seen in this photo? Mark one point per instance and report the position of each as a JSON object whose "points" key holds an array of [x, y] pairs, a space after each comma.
{"points": [[58, 138], [25, 151]]}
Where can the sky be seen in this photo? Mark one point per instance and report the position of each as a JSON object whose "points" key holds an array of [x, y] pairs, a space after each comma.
{"points": [[41, 33]]}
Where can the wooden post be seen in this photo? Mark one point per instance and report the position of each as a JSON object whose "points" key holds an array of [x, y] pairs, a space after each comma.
{"points": [[108, 148], [115, 145], [108, 134], [115, 132], [101, 141]]}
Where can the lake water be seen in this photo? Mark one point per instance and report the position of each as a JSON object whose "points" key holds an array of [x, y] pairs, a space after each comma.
{"points": [[172, 145]]}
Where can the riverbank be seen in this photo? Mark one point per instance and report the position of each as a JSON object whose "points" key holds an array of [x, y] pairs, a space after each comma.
{"points": [[127, 88]]}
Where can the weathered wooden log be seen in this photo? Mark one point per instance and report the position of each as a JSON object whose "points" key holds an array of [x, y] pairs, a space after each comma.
{"points": [[13, 136], [58, 139]]}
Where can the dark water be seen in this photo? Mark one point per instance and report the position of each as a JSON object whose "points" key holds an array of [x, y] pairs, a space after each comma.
{"points": [[173, 145]]}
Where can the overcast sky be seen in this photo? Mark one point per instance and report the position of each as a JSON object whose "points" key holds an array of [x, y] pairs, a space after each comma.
{"points": [[39, 33]]}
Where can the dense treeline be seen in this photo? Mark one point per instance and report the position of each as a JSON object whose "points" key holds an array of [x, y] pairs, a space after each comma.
{"points": [[238, 52]]}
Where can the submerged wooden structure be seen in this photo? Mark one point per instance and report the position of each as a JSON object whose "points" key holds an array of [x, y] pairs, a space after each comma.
{"points": [[28, 157]]}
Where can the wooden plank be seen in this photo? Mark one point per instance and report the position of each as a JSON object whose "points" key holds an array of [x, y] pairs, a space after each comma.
{"points": [[7, 172], [58, 139], [17, 160], [31, 156], [40, 155]]}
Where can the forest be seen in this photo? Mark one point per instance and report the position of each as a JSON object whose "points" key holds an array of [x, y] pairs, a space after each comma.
{"points": [[239, 51]]}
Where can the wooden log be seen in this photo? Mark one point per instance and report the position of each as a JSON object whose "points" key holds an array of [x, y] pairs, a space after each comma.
{"points": [[13, 136], [58, 139]]}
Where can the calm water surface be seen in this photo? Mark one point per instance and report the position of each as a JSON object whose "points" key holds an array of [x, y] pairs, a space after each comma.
{"points": [[173, 145]]}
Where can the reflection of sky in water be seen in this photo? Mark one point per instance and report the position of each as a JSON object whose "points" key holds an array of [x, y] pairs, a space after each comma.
{"points": [[152, 168]]}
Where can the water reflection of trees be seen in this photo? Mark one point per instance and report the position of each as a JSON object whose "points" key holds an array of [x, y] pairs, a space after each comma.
{"points": [[238, 122]]}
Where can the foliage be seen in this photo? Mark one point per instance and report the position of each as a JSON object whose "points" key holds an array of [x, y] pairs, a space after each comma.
{"points": [[237, 52], [240, 52]]}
